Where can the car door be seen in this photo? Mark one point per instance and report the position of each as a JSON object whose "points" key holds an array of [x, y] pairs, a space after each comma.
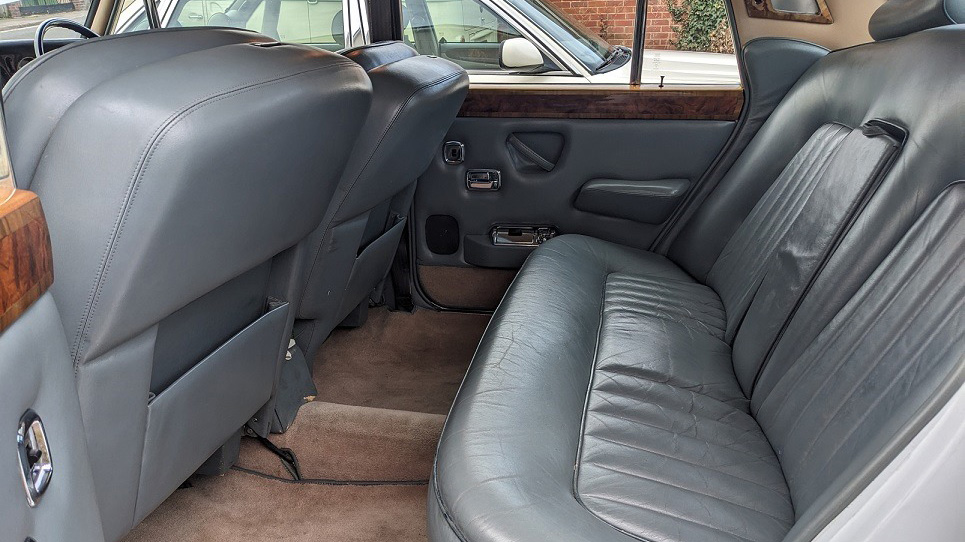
{"points": [[46, 488], [525, 162]]}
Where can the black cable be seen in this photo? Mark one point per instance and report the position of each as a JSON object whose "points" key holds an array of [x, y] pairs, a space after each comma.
{"points": [[332, 482]]}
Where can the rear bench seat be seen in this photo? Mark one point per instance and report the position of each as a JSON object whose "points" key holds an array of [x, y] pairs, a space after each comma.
{"points": [[617, 397]]}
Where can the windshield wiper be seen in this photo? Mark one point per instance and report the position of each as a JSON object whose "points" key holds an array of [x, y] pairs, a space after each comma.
{"points": [[618, 56]]}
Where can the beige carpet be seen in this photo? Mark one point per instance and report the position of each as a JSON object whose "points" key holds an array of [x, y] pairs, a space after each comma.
{"points": [[401, 361], [240, 506], [383, 391], [352, 443]]}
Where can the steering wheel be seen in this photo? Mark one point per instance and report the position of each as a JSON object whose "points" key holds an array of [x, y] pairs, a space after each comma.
{"points": [[58, 23]]}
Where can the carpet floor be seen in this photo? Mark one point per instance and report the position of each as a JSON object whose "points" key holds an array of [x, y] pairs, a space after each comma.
{"points": [[398, 360], [242, 506], [383, 391]]}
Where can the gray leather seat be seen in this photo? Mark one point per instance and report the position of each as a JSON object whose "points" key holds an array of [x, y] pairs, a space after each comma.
{"points": [[416, 98], [747, 387], [173, 166]]}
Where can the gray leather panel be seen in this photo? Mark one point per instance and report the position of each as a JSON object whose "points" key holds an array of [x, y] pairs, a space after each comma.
{"points": [[415, 100], [667, 331], [198, 412], [37, 96], [373, 55], [658, 462], [155, 197], [851, 87], [881, 358], [113, 392], [143, 209], [738, 271], [650, 202], [35, 373], [898, 18], [592, 149], [771, 260], [531, 411], [772, 66], [663, 463]]}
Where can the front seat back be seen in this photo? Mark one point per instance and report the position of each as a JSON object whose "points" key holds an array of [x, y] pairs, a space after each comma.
{"points": [[170, 181], [416, 98]]}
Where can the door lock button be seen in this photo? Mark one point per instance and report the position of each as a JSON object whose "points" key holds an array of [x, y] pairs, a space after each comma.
{"points": [[453, 152]]}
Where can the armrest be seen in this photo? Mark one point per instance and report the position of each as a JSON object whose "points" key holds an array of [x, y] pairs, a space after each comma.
{"points": [[650, 202]]}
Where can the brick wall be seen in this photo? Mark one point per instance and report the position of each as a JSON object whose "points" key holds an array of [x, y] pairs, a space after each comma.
{"points": [[613, 19]]}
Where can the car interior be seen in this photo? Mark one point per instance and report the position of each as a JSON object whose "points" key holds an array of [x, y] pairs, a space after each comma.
{"points": [[261, 290]]}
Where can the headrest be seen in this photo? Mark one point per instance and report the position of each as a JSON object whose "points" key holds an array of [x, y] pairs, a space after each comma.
{"points": [[897, 18], [377, 54]]}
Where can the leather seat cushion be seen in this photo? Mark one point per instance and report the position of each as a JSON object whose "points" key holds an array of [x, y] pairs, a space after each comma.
{"points": [[670, 464], [636, 330]]}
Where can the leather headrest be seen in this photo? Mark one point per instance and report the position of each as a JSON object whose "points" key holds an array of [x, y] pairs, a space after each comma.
{"points": [[373, 55], [898, 18]]}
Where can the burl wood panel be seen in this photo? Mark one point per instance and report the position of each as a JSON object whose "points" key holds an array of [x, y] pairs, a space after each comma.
{"points": [[26, 261], [763, 9], [603, 102]]}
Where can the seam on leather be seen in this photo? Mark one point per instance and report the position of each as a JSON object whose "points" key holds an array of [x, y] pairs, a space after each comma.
{"points": [[31, 67], [434, 479], [134, 185], [851, 216], [691, 464], [578, 460], [348, 190]]}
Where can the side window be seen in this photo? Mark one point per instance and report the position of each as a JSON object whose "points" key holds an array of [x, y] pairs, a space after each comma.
{"points": [[689, 42], [313, 22], [463, 31]]}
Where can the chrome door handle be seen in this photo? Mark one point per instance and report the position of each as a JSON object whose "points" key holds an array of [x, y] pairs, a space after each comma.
{"points": [[36, 467], [483, 179]]}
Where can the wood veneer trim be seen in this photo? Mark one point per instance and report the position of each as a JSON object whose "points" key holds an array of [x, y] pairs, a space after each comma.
{"points": [[26, 259], [604, 102], [764, 9]]}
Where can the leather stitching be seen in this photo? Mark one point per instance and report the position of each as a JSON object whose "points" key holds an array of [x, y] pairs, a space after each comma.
{"points": [[133, 186]]}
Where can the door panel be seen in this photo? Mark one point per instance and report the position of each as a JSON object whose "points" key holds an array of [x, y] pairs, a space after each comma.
{"points": [[46, 488], [541, 187]]}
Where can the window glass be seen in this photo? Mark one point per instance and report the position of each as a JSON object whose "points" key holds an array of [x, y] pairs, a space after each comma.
{"points": [[463, 31], [313, 22], [689, 42], [19, 19], [589, 47]]}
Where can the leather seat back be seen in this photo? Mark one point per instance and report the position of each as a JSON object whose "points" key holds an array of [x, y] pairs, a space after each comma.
{"points": [[878, 84], [416, 98], [170, 181]]}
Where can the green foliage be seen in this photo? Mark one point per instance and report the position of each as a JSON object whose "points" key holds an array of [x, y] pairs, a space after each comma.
{"points": [[700, 25]]}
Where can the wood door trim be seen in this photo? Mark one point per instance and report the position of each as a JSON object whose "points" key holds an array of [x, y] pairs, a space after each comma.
{"points": [[764, 9], [26, 259], [603, 102]]}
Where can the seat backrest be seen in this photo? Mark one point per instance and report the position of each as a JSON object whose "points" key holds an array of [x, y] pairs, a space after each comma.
{"points": [[373, 55], [170, 181], [852, 332], [838, 173], [415, 101], [888, 360]]}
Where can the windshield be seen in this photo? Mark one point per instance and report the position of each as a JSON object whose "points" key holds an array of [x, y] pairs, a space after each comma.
{"points": [[590, 49]]}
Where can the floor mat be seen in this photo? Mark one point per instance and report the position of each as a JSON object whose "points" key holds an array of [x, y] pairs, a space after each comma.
{"points": [[243, 506], [399, 360]]}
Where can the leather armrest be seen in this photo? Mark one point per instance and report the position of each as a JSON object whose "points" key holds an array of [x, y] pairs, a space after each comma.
{"points": [[650, 202]]}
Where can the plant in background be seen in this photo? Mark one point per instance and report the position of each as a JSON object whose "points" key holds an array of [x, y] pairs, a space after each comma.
{"points": [[700, 25]]}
